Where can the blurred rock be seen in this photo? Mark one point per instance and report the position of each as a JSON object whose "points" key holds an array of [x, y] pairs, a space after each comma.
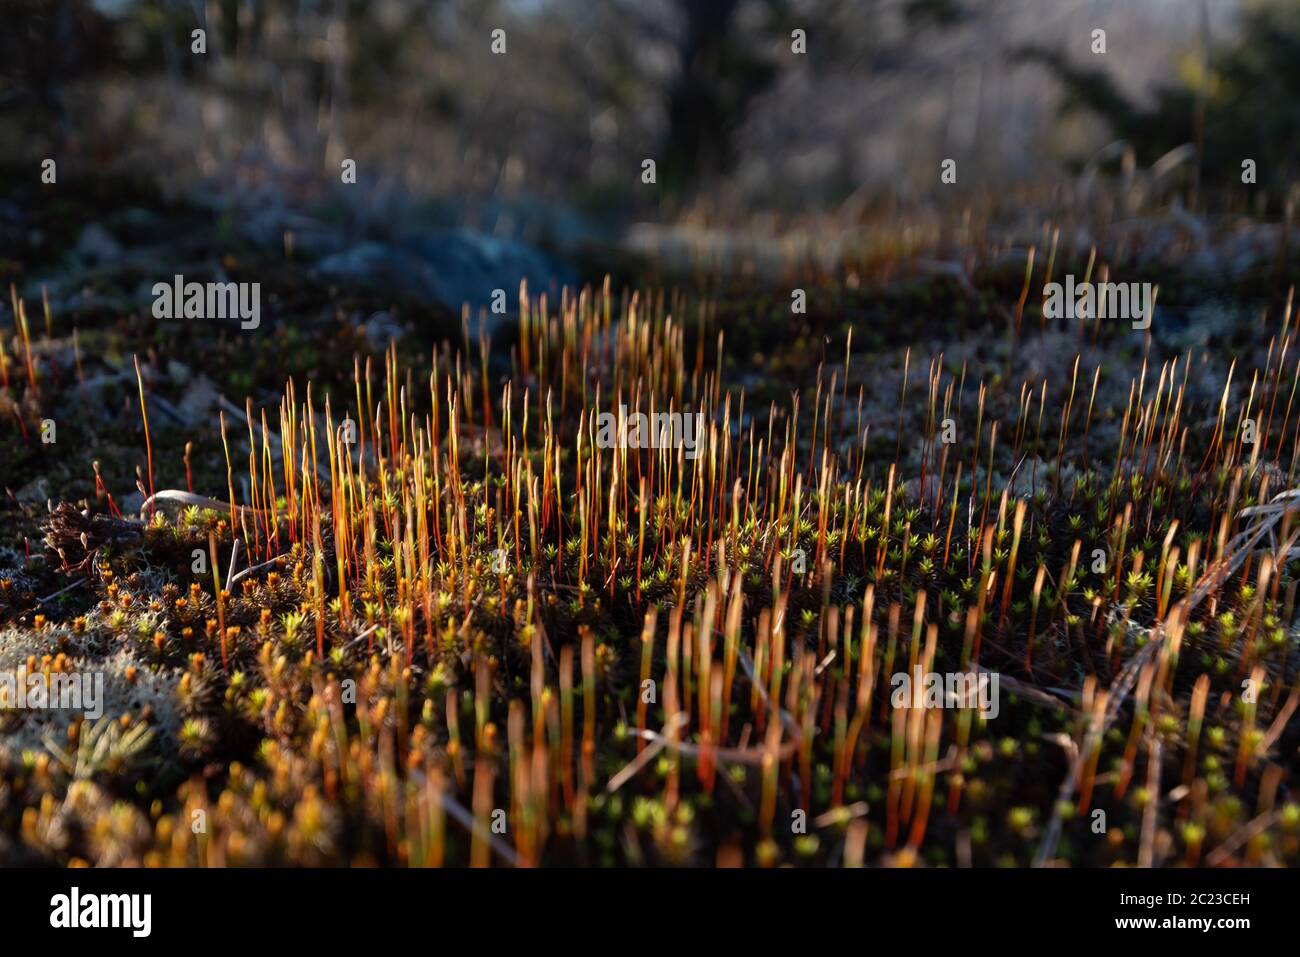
{"points": [[199, 400], [381, 329], [97, 246], [381, 266], [37, 490], [467, 267], [454, 267]]}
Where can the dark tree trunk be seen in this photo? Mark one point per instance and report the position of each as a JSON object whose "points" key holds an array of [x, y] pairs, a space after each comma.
{"points": [[718, 79]]}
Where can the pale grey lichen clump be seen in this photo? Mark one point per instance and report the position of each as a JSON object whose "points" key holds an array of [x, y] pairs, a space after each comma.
{"points": [[90, 651]]}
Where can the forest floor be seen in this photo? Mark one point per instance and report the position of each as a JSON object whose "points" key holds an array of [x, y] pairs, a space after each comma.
{"points": [[363, 586]]}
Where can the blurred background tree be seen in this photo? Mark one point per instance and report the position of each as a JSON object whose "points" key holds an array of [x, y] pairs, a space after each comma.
{"points": [[735, 119], [727, 53], [1235, 98]]}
